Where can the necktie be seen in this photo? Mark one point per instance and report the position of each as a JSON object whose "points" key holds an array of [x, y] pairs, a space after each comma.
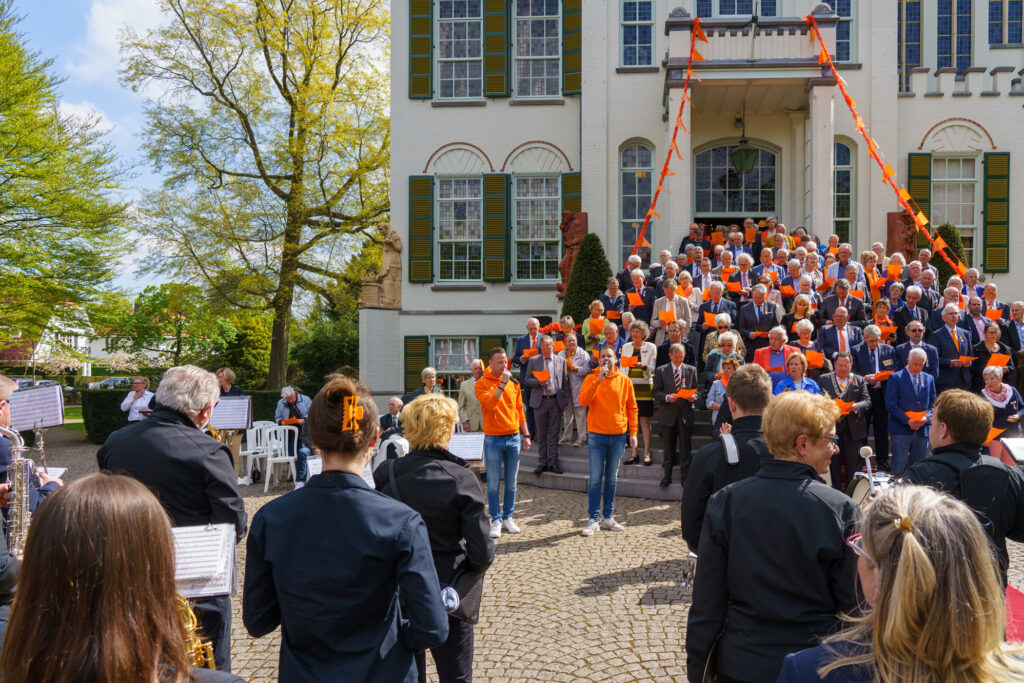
{"points": [[533, 342], [758, 314], [913, 312], [842, 341], [679, 378], [956, 339]]}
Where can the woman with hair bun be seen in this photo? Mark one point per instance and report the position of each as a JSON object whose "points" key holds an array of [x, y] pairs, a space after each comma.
{"points": [[325, 562], [935, 607]]}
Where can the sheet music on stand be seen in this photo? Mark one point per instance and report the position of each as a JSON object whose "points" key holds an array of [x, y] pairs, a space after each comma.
{"points": [[468, 446], [233, 412], [1015, 447], [204, 560], [37, 407]]}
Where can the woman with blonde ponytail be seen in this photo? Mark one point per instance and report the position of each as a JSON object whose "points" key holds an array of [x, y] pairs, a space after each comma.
{"points": [[935, 608]]}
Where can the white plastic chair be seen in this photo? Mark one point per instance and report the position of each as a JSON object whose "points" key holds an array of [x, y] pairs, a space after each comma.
{"points": [[280, 441], [255, 445]]}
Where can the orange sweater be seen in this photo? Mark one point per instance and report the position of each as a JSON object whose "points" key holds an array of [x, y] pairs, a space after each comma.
{"points": [[501, 416], [611, 403]]}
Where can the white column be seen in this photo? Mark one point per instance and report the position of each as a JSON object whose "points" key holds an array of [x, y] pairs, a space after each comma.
{"points": [[792, 202], [600, 196], [679, 197], [822, 122]]}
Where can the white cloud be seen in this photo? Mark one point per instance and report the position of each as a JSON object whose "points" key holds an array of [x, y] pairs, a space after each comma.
{"points": [[95, 58], [87, 110]]}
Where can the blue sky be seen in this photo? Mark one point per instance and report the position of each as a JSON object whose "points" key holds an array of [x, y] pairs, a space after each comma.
{"points": [[81, 36]]}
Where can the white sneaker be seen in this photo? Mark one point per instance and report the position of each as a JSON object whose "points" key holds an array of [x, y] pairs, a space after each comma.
{"points": [[591, 528], [244, 481], [609, 524], [496, 529], [299, 485], [510, 526], [580, 444]]}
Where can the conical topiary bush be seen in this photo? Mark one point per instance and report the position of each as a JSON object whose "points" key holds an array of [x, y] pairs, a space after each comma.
{"points": [[588, 280]]}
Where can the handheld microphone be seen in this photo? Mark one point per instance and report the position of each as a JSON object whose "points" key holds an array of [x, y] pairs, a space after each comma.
{"points": [[866, 453]]}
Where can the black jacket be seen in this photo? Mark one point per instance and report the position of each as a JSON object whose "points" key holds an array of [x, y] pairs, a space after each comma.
{"points": [[190, 472], [995, 493], [441, 487], [709, 473], [773, 571]]}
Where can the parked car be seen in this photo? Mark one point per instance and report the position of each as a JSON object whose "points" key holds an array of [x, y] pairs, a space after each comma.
{"points": [[68, 391], [23, 382], [112, 383]]}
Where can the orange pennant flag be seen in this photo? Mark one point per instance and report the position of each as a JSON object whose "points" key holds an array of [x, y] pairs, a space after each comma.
{"points": [[812, 34], [685, 393], [998, 360], [844, 406], [644, 242], [699, 33], [667, 316], [652, 212], [814, 359], [994, 314], [903, 194], [669, 172], [887, 171], [961, 269], [697, 56], [629, 361], [921, 219], [939, 244], [542, 375], [675, 148], [849, 100], [823, 57], [993, 434]]}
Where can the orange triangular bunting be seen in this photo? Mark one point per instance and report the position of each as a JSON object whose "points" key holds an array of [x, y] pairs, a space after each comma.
{"points": [[652, 212], [697, 56], [904, 195], [669, 172], [698, 32], [939, 244], [823, 56], [887, 171]]}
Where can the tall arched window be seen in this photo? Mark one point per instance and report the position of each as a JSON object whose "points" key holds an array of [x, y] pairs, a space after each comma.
{"points": [[636, 168], [720, 190], [842, 178]]}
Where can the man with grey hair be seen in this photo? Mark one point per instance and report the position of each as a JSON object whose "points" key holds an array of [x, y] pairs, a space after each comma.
{"points": [[625, 276], [191, 474], [755, 320], [470, 413], [641, 307], [292, 409]]}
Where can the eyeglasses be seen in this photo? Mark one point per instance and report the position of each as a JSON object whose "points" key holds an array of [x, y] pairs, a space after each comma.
{"points": [[856, 543], [834, 440]]}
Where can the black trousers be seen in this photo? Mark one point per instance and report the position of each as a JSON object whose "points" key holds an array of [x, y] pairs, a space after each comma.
{"points": [[548, 417], [676, 439], [454, 659], [849, 455], [213, 620], [880, 425]]}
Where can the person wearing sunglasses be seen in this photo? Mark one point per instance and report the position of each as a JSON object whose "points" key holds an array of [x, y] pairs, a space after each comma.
{"points": [[935, 606], [763, 590]]}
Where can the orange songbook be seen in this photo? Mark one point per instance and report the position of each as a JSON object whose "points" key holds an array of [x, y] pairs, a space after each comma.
{"points": [[994, 433], [727, 273], [759, 334], [629, 361], [709, 319], [542, 375], [994, 314], [706, 295], [775, 369], [857, 294], [916, 414], [634, 299], [733, 286], [596, 325], [667, 317], [998, 360], [894, 271], [882, 376], [559, 346], [290, 421], [613, 314], [749, 234], [597, 354], [716, 239], [844, 406], [814, 359], [685, 393], [530, 353], [833, 250], [826, 285], [774, 275], [968, 359], [787, 291], [887, 330]]}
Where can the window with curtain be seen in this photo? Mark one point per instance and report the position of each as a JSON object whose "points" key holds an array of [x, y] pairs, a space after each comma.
{"points": [[636, 184], [459, 228], [459, 49], [637, 33], [842, 176], [536, 215], [1004, 22], [954, 34], [721, 190], [955, 197], [909, 39], [725, 8], [538, 47], [844, 30], [451, 357]]}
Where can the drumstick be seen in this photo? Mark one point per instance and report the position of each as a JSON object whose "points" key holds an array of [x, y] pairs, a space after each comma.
{"points": [[865, 452]]}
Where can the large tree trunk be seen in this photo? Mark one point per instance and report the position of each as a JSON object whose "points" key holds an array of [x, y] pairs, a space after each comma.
{"points": [[277, 377]]}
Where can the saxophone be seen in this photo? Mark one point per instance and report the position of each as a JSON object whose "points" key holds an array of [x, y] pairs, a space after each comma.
{"points": [[200, 652], [19, 474]]}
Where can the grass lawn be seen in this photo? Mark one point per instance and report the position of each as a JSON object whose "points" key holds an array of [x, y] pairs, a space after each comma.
{"points": [[73, 419]]}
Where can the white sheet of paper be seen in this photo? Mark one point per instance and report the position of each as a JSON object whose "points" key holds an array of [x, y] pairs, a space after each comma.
{"points": [[204, 560], [37, 407], [55, 472], [314, 464], [233, 412], [468, 446], [1015, 447]]}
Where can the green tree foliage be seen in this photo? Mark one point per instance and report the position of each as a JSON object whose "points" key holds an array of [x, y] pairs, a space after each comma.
{"points": [[951, 235], [322, 348], [248, 354], [61, 225], [272, 129], [588, 280], [172, 322]]}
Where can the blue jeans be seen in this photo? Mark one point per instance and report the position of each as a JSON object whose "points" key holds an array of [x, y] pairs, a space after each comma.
{"points": [[907, 449], [498, 451], [300, 462], [605, 451]]}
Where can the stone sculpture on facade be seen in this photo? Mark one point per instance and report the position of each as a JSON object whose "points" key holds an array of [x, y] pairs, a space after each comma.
{"points": [[573, 227], [384, 289]]}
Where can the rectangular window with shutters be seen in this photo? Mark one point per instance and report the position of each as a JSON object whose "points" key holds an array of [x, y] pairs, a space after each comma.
{"points": [[996, 212], [459, 49], [637, 33], [955, 198], [459, 229], [536, 213], [451, 357], [538, 49]]}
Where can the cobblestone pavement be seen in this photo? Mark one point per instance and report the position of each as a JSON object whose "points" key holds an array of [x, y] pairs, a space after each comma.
{"points": [[557, 606]]}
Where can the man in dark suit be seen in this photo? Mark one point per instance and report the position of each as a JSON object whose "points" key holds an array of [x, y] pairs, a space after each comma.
{"points": [[645, 310], [871, 359], [169, 453], [852, 427], [840, 336], [974, 322], [1013, 329], [526, 348], [625, 276], [911, 390], [744, 277], [549, 394], [915, 340], [842, 298], [676, 332], [391, 422], [756, 319], [911, 311], [736, 245], [950, 296], [929, 294], [703, 278], [989, 302], [675, 414], [658, 269], [952, 342], [767, 267], [696, 237], [715, 305]]}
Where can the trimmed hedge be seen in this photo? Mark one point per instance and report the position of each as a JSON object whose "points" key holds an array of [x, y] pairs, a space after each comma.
{"points": [[951, 235], [101, 412], [588, 280]]}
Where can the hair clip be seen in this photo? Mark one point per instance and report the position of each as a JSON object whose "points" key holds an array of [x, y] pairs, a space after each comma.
{"points": [[903, 524], [353, 413]]}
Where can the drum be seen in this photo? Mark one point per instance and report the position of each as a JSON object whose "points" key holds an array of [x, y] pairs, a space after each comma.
{"points": [[859, 487]]}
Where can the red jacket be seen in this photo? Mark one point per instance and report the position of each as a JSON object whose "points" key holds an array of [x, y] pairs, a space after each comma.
{"points": [[763, 356]]}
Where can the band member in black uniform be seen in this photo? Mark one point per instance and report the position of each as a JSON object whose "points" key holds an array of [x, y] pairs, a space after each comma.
{"points": [[190, 472]]}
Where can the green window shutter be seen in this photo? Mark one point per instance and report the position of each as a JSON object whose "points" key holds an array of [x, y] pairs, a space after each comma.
{"points": [[496, 48], [572, 47], [496, 227], [421, 49], [997, 213], [919, 185], [417, 357], [421, 228], [572, 192], [485, 344]]}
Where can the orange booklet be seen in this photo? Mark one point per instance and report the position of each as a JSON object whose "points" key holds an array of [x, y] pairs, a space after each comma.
{"points": [[290, 421], [857, 294], [733, 286], [998, 360], [559, 347], [968, 359], [844, 406], [787, 291], [629, 361], [894, 271], [596, 325], [613, 314], [667, 316], [887, 330], [530, 353], [685, 393], [916, 414], [814, 359], [634, 299], [542, 375], [994, 314], [709, 319], [882, 376], [760, 334]]}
